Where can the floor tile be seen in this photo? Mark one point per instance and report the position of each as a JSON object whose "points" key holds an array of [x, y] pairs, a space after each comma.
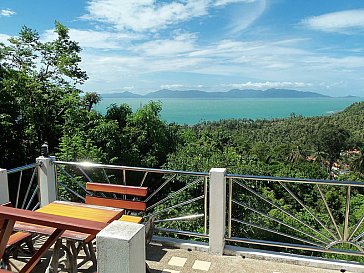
{"points": [[177, 261], [201, 265]]}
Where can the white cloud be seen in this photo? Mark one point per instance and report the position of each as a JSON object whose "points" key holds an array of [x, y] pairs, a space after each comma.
{"points": [[7, 13], [128, 88], [341, 21], [267, 85], [180, 44], [95, 39], [226, 2], [171, 86], [144, 15], [4, 38]]}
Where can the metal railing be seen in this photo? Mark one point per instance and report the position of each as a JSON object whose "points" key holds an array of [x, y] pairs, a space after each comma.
{"points": [[177, 199], [24, 180], [304, 215]]}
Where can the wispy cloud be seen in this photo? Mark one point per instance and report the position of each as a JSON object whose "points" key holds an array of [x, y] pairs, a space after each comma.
{"points": [[96, 39], [181, 43], [342, 21], [144, 15], [247, 16], [7, 13]]}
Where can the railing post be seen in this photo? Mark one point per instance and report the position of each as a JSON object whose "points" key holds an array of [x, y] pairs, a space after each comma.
{"points": [[47, 180], [4, 187], [217, 211], [121, 248]]}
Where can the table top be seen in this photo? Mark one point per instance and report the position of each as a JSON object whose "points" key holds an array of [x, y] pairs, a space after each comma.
{"points": [[82, 211], [73, 210]]}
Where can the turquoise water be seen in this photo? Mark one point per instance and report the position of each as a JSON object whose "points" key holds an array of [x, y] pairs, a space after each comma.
{"points": [[191, 111]]}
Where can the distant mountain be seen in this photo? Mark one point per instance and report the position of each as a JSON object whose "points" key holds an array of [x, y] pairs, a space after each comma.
{"points": [[234, 93], [127, 94]]}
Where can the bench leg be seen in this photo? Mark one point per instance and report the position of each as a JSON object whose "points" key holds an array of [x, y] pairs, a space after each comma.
{"points": [[54, 263], [72, 256], [91, 249]]}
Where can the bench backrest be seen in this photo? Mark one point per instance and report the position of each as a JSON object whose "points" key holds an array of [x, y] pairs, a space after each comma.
{"points": [[117, 189]]}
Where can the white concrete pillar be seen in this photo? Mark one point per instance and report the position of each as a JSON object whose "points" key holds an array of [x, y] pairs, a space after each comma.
{"points": [[121, 248], [4, 187], [47, 180], [217, 211]]}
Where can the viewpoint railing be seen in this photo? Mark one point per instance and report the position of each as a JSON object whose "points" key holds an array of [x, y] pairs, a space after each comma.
{"points": [[22, 186], [177, 199], [302, 214]]}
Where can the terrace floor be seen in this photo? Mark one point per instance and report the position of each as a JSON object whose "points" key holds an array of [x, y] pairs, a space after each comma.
{"points": [[168, 259]]}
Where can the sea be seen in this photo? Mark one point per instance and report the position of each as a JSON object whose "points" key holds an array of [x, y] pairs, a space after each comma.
{"points": [[192, 111]]}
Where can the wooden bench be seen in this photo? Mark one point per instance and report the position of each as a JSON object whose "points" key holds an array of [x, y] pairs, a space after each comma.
{"points": [[8, 217], [129, 205]]}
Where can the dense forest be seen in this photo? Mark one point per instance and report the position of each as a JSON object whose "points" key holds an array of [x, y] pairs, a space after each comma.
{"points": [[41, 100]]}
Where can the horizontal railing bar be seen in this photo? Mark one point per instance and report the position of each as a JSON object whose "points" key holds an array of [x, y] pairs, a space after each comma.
{"points": [[22, 168], [295, 180], [182, 218], [292, 246], [182, 232], [129, 168]]}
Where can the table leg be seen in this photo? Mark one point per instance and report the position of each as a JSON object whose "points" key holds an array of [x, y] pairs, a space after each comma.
{"points": [[5, 232]]}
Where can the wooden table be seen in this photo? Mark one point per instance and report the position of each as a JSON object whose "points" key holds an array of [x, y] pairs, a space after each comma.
{"points": [[75, 240], [9, 216], [73, 210]]}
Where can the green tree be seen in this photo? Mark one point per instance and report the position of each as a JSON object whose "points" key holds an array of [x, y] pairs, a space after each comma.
{"points": [[330, 141], [41, 78]]}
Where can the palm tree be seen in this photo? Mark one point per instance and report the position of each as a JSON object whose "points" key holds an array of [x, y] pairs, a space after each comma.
{"points": [[90, 99]]}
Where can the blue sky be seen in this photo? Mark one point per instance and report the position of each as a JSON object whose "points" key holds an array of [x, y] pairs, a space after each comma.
{"points": [[210, 45]]}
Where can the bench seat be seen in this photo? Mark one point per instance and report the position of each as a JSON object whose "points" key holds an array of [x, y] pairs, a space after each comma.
{"points": [[132, 219]]}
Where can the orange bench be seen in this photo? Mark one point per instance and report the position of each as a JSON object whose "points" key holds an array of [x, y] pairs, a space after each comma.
{"points": [[129, 205]]}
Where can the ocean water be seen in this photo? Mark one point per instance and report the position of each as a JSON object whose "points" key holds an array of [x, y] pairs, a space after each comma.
{"points": [[192, 111]]}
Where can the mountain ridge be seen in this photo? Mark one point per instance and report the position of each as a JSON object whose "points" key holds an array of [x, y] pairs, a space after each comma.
{"points": [[233, 93]]}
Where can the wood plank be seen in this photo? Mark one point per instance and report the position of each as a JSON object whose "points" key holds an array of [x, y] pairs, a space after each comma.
{"points": [[131, 205], [120, 189], [55, 221], [17, 237], [132, 219]]}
